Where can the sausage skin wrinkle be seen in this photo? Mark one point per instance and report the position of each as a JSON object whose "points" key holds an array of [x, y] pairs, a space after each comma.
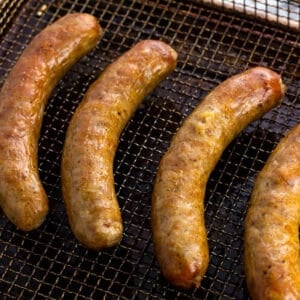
{"points": [[178, 226], [92, 138], [271, 244], [22, 100]]}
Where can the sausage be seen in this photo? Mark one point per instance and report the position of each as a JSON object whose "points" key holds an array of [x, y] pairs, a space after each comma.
{"points": [[271, 241], [22, 100], [179, 232], [92, 138]]}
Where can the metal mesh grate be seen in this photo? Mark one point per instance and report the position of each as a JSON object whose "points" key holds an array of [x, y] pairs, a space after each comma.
{"points": [[213, 44], [284, 12]]}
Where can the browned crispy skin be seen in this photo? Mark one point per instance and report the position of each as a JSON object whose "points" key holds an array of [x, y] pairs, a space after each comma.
{"points": [[92, 139], [178, 197], [271, 245], [22, 100]]}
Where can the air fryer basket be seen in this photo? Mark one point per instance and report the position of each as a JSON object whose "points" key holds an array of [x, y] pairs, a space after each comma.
{"points": [[214, 41]]}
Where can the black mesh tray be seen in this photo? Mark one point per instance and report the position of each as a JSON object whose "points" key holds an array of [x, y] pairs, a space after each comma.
{"points": [[213, 44]]}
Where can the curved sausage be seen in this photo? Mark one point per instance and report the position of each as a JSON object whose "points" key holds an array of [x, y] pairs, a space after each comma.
{"points": [[22, 100], [179, 232], [271, 244], [92, 139]]}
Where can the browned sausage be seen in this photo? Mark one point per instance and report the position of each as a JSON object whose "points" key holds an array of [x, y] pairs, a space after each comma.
{"points": [[22, 100], [92, 139], [178, 197], [271, 245]]}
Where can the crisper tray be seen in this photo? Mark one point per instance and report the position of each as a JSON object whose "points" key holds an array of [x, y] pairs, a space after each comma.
{"points": [[213, 43]]}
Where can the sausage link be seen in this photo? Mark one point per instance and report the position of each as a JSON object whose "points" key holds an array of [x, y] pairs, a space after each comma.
{"points": [[22, 100], [271, 244], [92, 139], [178, 226]]}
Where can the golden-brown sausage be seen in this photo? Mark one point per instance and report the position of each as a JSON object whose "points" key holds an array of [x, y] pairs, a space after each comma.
{"points": [[22, 100], [92, 139], [271, 244], [179, 232]]}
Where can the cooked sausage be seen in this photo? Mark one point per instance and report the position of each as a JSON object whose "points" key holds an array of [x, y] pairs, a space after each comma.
{"points": [[92, 139], [22, 100], [271, 244], [178, 226]]}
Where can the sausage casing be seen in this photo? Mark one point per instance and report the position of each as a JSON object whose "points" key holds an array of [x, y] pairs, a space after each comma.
{"points": [[271, 244], [22, 100], [178, 227], [92, 138]]}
